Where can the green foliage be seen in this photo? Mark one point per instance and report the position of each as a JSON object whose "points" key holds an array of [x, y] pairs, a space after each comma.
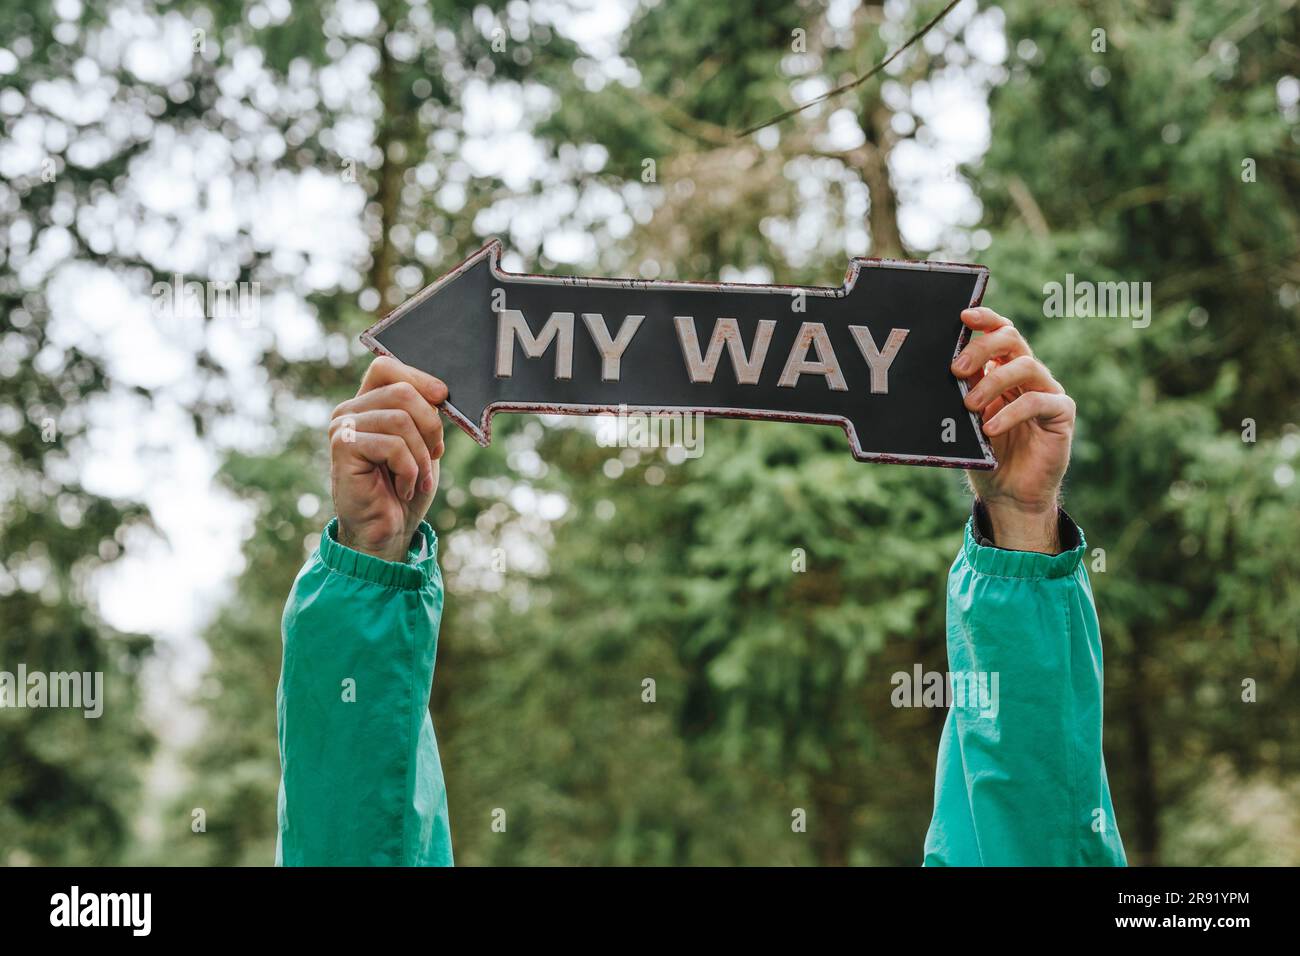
{"points": [[771, 685], [771, 587], [777, 688], [67, 783], [1198, 594]]}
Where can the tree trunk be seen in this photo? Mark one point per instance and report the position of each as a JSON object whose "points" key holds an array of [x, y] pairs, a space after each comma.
{"points": [[390, 178], [828, 824], [882, 217], [1145, 847]]}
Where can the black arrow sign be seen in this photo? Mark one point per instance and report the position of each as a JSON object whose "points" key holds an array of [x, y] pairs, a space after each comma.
{"points": [[872, 356]]}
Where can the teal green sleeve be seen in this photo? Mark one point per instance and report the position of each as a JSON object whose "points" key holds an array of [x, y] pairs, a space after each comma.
{"points": [[1021, 780], [360, 779]]}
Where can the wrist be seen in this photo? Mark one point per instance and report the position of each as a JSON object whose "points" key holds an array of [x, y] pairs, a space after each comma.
{"points": [[1020, 527], [393, 548]]}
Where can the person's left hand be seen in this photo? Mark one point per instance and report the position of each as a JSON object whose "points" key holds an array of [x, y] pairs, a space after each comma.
{"points": [[385, 447]]}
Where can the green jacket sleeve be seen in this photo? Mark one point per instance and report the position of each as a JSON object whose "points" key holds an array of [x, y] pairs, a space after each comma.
{"points": [[360, 779], [1020, 779]]}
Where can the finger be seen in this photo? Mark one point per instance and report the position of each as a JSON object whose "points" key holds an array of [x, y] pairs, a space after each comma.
{"points": [[395, 421], [387, 451], [1003, 343], [1021, 372], [1046, 407], [388, 371], [399, 395], [983, 320]]}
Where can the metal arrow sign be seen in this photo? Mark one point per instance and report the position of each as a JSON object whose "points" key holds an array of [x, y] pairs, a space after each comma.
{"points": [[872, 356]]}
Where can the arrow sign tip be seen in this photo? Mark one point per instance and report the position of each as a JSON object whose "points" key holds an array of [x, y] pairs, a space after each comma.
{"points": [[449, 302]]}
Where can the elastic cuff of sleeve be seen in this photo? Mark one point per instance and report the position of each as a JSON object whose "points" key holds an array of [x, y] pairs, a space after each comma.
{"points": [[1021, 564], [416, 572]]}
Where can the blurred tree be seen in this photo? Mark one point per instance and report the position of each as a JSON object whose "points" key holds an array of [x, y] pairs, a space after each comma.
{"points": [[770, 588], [1178, 128], [67, 783], [89, 94], [432, 70], [577, 573], [780, 680]]}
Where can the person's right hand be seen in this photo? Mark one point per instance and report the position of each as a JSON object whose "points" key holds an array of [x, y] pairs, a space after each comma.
{"points": [[384, 450], [1030, 422]]}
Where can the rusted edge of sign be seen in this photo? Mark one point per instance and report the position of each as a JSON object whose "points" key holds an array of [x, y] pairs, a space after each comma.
{"points": [[481, 431]]}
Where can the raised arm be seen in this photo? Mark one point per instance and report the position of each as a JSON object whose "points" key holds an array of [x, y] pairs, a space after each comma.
{"points": [[1021, 779], [361, 782]]}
